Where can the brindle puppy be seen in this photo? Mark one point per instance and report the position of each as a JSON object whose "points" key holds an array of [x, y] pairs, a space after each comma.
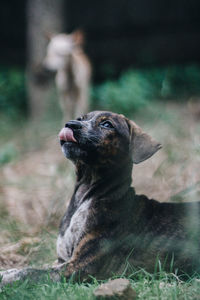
{"points": [[107, 226]]}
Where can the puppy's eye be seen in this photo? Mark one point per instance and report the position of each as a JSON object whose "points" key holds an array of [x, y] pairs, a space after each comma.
{"points": [[106, 124]]}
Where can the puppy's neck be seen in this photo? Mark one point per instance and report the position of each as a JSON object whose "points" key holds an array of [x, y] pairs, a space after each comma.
{"points": [[103, 182]]}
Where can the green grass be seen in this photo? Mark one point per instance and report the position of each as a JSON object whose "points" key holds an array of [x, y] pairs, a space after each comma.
{"points": [[147, 286], [52, 291]]}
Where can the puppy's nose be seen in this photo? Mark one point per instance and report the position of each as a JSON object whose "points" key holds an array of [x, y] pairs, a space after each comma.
{"points": [[74, 124]]}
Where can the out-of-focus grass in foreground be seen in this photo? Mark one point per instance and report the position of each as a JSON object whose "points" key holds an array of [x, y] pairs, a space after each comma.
{"points": [[147, 286]]}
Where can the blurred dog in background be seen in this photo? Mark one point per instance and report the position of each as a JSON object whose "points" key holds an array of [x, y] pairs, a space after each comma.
{"points": [[66, 57]]}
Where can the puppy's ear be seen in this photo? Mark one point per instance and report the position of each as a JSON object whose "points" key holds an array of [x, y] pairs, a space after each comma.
{"points": [[78, 37], [142, 145], [49, 35]]}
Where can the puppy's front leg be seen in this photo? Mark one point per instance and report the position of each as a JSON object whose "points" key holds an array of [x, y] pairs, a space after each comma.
{"points": [[30, 274], [86, 259]]}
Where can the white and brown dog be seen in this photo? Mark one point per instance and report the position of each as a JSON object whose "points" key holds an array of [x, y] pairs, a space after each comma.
{"points": [[66, 57]]}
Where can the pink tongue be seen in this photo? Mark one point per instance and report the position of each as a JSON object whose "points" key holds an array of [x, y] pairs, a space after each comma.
{"points": [[66, 134]]}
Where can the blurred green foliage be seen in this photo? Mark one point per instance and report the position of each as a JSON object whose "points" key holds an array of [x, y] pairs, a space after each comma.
{"points": [[138, 88], [12, 92], [8, 153], [133, 90], [181, 81]]}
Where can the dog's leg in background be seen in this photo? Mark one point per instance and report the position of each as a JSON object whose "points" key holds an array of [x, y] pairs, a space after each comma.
{"points": [[65, 95], [82, 75], [67, 106], [82, 102]]}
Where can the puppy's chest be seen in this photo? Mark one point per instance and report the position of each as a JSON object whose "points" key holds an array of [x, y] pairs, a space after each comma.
{"points": [[67, 242]]}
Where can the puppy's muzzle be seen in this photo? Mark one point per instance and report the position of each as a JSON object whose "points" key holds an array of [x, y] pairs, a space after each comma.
{"points": [[67, 134], [74, 125]]}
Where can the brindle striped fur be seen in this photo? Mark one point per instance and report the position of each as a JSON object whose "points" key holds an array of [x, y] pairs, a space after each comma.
{"points": [[107, 226]]}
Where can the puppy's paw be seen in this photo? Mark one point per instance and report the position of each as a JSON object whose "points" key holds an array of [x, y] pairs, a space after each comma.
{"points": [[10, 276]]}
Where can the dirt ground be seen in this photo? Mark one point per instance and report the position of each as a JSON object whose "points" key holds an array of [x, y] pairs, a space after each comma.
{"points": [[36, 187]]}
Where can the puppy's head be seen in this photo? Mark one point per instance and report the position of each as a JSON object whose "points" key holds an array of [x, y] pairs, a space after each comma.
{"points": [[103, 138]]}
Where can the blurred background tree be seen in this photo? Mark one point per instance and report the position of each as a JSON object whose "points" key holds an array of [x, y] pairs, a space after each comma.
{"points": [[43, 18]]}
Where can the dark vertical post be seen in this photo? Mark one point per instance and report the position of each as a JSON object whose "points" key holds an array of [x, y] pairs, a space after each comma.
{"points": [[43, 16]]}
